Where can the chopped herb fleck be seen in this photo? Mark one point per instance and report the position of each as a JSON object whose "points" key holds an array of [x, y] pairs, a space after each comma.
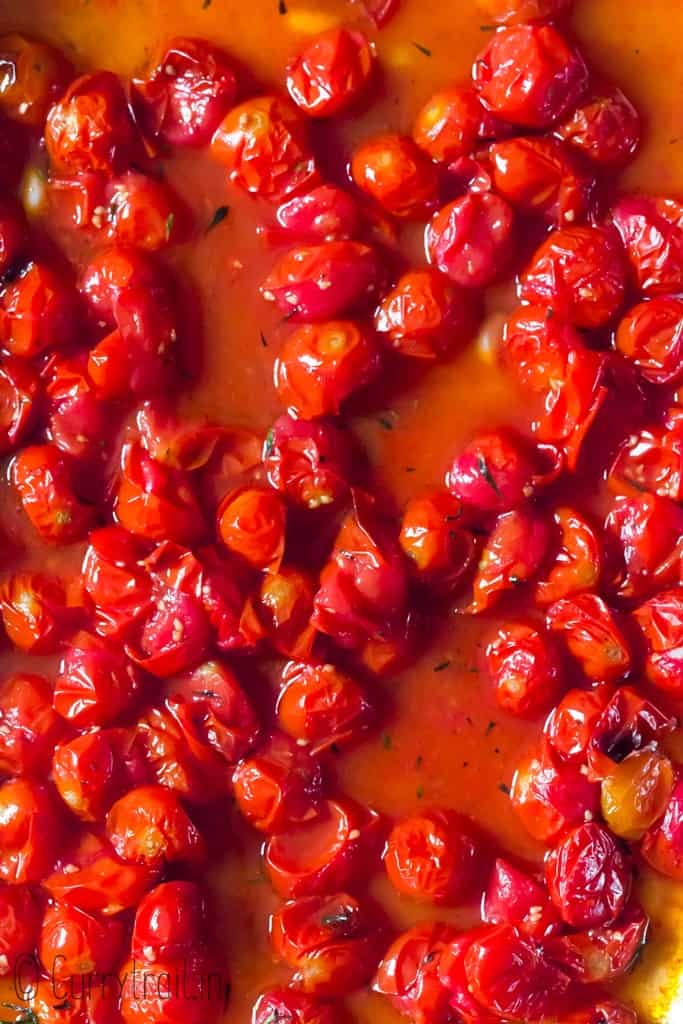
{"points": [[466, 764], [442, 665], [385, 422], [270, 441], [281, 7], [419, 761], [335, 748], [503, 788], [423, 49], [469, 720], [387, 741], [340, 919], [485, 472], [170, 221], [219, 215], [264, 340], [489, 728], [419, 792], [487, 28], [206, 3], [410, 469]]}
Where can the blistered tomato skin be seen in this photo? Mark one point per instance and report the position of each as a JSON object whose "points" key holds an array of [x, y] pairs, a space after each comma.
{"points": [[323, 282], [29, 728], [330, 73], [470, 239], [524, 668], [279, 786], [38, 311], [96, 682], [605, 128], [651, 337], [541, 176], [589, 877], [89, 128], [530, 75], [43, 477], [424, 316], [511, 557], [592, 635], [661, 623], [551, 796], [309, 461], [149, 826], [293, 1007], [396, 174], [409, 973], [651, 230], [441, 551], [447, 126], [432, 857], [319, 705], [515, 897]]}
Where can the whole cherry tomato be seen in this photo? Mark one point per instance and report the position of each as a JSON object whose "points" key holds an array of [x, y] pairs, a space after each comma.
{"points": [[572, 723], [580, 273], [184, 97], [322, 282], [440, 550], [514, 897], [636, 793], [651, 460], [590, 631], [219, 709], [512, 12], [530, 75], [37, 311], [98, 881], [652, 233], [320, 365], [512, 555], [447, 126], [309, 461], [175, 637], [169, 922], [524, 667], [19, 394], [332, 850], [32, 76], [551, 796], [79, 422], [644, 532], [185, 991], [330, 941], [662, 846], [280, 611], [651, 336], [470, 239], [89, 128], [605, 127], [114, 580], [90, 771], [432, 857], [541, 176], [279, 786], [43, 476], [319, 705], [73, 942], [409, 973], [578, 562], [325, 214], [29, 728], [589, 877], [154, 501], [33, 612], [292, 1007], [627, 724], [661, 623], [149, 826], [330, 73], [96, 682], [264, 145], [425, 316], [19, 926], [396, 174], [144, 212], [251, 524], [30, 831]]}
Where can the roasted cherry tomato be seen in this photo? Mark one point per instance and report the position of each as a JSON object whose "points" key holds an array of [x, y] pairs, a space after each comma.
{"points": [[524, 667], [144, 212], [309, 461], [578, 562], [644, 532], [330, 941], [43, 476], [37, 311], [90, 128], [651, 460], [636, 793], [470, 239], [19, 393], [662, 847], [220, 711], [185, 991], [541, 176], [79, 422], [264, 145], [512, 555], [29, 728], [33, 612], [280, 611], [530, 75], [605, 127], [651, 336], [154, 501], [149, 826], [572, 723], [169, 922], [322, 282], [325, 214], [551, 796], [175, 637], [396, 174], [91, 770], [98, 881], [185, 96], [96, 682], [251, 524], [114, 580], [19, 926], [73, 942], [279, 786], [30, 831], [409, 973], [319, 705], [661, 622], [32, 76], [425, 316], [332, 850], [580, 273], [320, 365], [432, 857], [592, 635], [292, 1007], [652, 233], [628, 723], [589, 877], [514, 897], [603, 954], [441, 551], [447, 126], [330, 73]]}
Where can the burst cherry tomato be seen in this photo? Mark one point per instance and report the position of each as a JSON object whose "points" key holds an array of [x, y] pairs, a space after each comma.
{"points": [[512, 555], [652, 233], [73, 942], [593, 636], [183, 99], [320, 705], [524, 667], [281, 612], [325, 214], [169, 922], [220, 711], [425, 316], [603, 954], [43, 476], [19, 926], [30, 831], [98, 881], [440, 550], [251, 524], [572, 723], [90, 128], [605, 128], [154, 501], [644, 531], [33, 612], [636, 792], [589, 877], [96, 682], [279, 786], [550, 796], [264, 145], [322, 282], [661, 622], [651, 336], [432, 857], [530, 75], [396, 174], [114, 580], [292, 1007], [149, 826], [176, 635], [580, 273], [662, 847], [29, 727], [19, 393], [628, 723], [541, 176], [309, 461], [514, 897], [409, 973], [144, 212], [330, 73], [37, 311], [651, 460], [32, 75], [578, 561], [447, 126], [91, 770], [78, 420], [470, 239]]}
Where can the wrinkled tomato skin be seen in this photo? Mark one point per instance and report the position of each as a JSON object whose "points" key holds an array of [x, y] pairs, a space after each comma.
{"points": [[651, 460], [319, 366], [494, 473], [425, 316], [447, 126], [514, 897], [662, 846], [524, 667], [175, 637], [571, 724], [644, 533], [319, 705], [149, 826], [34, 613], [550, 796], [29, 728], [396, 174], [628, 723], [579, 271], [89, 128], [90, 771], [512, 555], [168, 922], [38, 310], [279, 786], [330, 73], [432, 857], [96, 682], [309, 461], [636, 792], [592, 635], [43, 477], [605, 128], [101, 883], [605, 954], [220, 711], [510, 975], [578, 561], [154, 501], [280, 611], [185, 96], [651, 337], [73, 942], [78, 421], [470, 239], [409, 973], [540, 176], [589, 877], [325, 214], [33, 76], [30, 831], [293, 1007], [514, 12], [144, 213], [316, 283], [440, 551], [530, 75], [651, 230], [185, 991], [264, 145], [114, 580], [661, 623], [251, 524], [19, 926], [19, 393]]}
